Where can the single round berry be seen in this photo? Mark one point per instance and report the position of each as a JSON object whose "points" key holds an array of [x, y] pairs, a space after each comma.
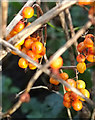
{"points": [[25, 97], [72, 83], [37, 47], [53, 81], [91, 58], [28, 43], [81, 67], [28, 12], [80, 58], [88, 42], [19, 26], [85, 92], [67, 97], [23, 63], [80, 84], [67, 104], [57, 63], [81, 47], [77, 105], [64, 76]]}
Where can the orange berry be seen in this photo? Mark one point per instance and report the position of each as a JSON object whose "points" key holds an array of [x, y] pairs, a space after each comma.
{"points": [[28, 12], [91, 58], [67, 97], [80, 58], [91, 50], [9, 36], [23, 63], [37, 47], [18, 47], [25, 97], [85, 2], [57, 63], [81, 67], [19, 26], [80, 84], [77, 105], [72, 83], [81, 47], [31, 66], [31, 54], [67, 104], [74, 96], [85, 92], [42, 53], [53, 81], [28, 43], [13, 32], [64, 76], [24, 50], [88, 42]]}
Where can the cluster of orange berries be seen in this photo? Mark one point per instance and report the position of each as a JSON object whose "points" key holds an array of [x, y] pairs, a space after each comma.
{"points": [[70, 98], [87, 51], [31, 45]]}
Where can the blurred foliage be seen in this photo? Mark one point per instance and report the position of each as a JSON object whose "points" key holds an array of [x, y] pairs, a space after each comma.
{"points": [[52, 106]]}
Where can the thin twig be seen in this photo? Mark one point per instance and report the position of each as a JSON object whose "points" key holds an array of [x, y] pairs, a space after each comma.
{"points": [[38, 87], [70, 24], [65, 28]]}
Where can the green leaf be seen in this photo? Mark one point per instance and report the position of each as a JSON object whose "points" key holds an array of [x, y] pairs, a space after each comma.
{"points": [[86, 76]]}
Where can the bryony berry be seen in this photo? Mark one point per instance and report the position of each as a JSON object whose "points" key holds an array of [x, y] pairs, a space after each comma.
{"points": [[57, 63], [85, 92], [77, 105], [53, 81], [28, 12], [23, 63], [81, 67], [72, 83]]}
